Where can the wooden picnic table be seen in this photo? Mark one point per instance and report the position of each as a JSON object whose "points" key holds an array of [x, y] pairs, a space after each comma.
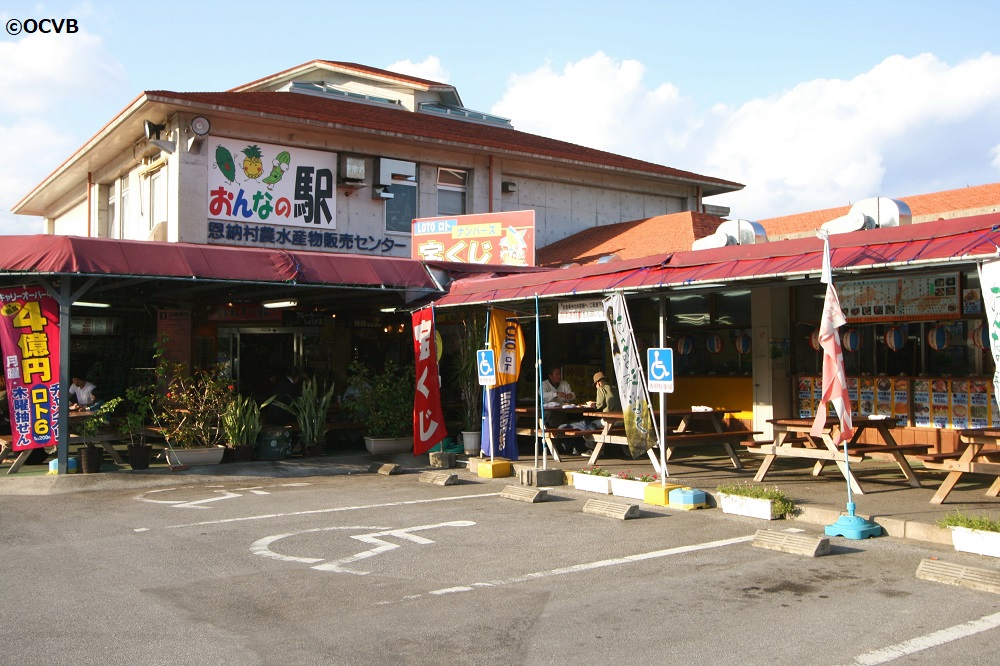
{"points": [[793, 439], [686, 433], [549, 435], [974, 458]]}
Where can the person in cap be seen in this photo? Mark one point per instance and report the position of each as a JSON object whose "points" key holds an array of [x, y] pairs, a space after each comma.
{"points": [[607, 394]]}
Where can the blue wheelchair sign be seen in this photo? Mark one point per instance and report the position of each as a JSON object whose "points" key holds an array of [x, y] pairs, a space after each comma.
{"points": [[487, 365], [660, 370]]}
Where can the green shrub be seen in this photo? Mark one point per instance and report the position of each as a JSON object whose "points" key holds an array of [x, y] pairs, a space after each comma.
{"points": [[959, 519], [783, 504]]}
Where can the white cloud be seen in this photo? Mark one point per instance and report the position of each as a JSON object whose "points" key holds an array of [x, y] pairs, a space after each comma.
{"points": [[46, 79], [907, 126], [430, 69]]}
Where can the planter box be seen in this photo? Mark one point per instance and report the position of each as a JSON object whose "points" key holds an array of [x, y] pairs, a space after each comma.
{"points": [[591, 483], [211, 455], [980, 542], [628, 488], [747, 506], [389, 444]]}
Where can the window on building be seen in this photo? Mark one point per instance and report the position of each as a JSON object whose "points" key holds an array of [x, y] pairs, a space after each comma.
{"points": [[451, 187], [124, 212], [114, 225], [157, 198], [401, 208]]}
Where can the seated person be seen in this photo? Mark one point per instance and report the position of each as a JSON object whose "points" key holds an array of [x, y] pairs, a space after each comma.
{"points": [[607, 394], [81, 394], [556, 392]]}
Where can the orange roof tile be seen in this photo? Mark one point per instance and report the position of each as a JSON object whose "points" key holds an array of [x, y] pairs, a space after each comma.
{"points": [[630, 240], [971, 200]]}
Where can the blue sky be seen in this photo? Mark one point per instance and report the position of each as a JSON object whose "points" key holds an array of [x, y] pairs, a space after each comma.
{"points": [[810, 105]]}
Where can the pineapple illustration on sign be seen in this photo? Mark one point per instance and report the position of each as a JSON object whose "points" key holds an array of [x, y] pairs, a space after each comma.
{"points": [[253, 166]]}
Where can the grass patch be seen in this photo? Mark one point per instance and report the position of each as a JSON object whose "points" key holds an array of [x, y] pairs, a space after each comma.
{"points": [[783, 504], [959, 519]]}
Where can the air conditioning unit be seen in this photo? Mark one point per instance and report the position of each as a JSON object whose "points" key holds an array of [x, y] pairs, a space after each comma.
{"points": [[389, 171]]}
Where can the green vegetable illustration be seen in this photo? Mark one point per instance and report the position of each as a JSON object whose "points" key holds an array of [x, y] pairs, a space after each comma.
{"points": [[281, 163], [224, 159]]}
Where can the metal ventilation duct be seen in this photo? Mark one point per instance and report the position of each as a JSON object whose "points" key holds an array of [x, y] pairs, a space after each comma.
{"points": [[732, 232], [871, 214]]}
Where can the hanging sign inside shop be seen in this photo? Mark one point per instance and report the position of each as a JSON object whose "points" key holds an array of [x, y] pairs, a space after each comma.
{"points": [[851, 340], [895, 338], [685, 345], [29, 336], [505, 239], [912, 298], [714, 343], [576, 312], [938, 338]]}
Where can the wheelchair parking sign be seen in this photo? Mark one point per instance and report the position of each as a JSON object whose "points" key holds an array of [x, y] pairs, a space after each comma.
{"points": [[660, 370], [487, 365]]}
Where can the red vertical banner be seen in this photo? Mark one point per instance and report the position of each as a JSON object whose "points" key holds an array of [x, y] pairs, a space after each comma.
{"points": [[29, 337], [428, 419]]}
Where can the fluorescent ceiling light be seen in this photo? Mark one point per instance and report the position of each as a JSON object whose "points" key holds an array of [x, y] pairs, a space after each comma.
{"points": [[85, 304], [287, 303]]}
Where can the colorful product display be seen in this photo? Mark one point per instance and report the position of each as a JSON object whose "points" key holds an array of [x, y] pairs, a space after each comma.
{"points": [[923, 402]]}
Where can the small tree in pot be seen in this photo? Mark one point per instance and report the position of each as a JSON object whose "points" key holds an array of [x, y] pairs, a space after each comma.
{"points": [[471, 337], [384, 402], [309, 409], [242, 423]]}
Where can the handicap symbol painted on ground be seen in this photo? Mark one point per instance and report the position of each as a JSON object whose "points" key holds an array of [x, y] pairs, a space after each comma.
{"points": [[218, 493], [262, 547]]}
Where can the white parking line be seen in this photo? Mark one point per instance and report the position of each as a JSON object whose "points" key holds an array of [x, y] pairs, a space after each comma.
{"points": [[599, 564], [931, 640], [338, 509]]}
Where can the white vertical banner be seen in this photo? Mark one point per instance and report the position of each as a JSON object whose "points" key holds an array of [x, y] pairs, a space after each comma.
{"points": [[989, 282], [640, 427]]}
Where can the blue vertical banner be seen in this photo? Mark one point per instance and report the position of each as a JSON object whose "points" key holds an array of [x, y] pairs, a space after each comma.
{"points": [[506, 339]]}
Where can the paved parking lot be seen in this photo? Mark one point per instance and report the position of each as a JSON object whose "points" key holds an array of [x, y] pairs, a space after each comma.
{"points": [[364, 568]]}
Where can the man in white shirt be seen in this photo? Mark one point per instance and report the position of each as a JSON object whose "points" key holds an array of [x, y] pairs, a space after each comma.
{"points": [[556, 389], [83, 392]]}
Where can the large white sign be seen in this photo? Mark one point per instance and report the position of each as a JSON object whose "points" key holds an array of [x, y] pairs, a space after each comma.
{"points": [[263, 184]]}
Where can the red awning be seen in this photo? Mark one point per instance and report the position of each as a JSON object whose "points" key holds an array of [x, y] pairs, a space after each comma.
{"points": [[968, 239], [55, 255]]}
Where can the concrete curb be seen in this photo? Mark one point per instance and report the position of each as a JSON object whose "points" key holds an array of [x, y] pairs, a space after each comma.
{"points": [[894, 527]]}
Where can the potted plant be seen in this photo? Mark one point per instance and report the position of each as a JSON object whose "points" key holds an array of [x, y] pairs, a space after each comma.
{"points": [[747, 499], [973, 534], [471, 337], [242, 423], [139, 404], [384, 403], [593, 479], [625, 484], [189, 411], [90, 454], [309, 409]]}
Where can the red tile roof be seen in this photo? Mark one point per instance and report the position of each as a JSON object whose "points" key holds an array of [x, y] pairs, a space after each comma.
{"points": [[334, 64], [674, 233], [398, 122], [630, 240], [923, 207]]}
